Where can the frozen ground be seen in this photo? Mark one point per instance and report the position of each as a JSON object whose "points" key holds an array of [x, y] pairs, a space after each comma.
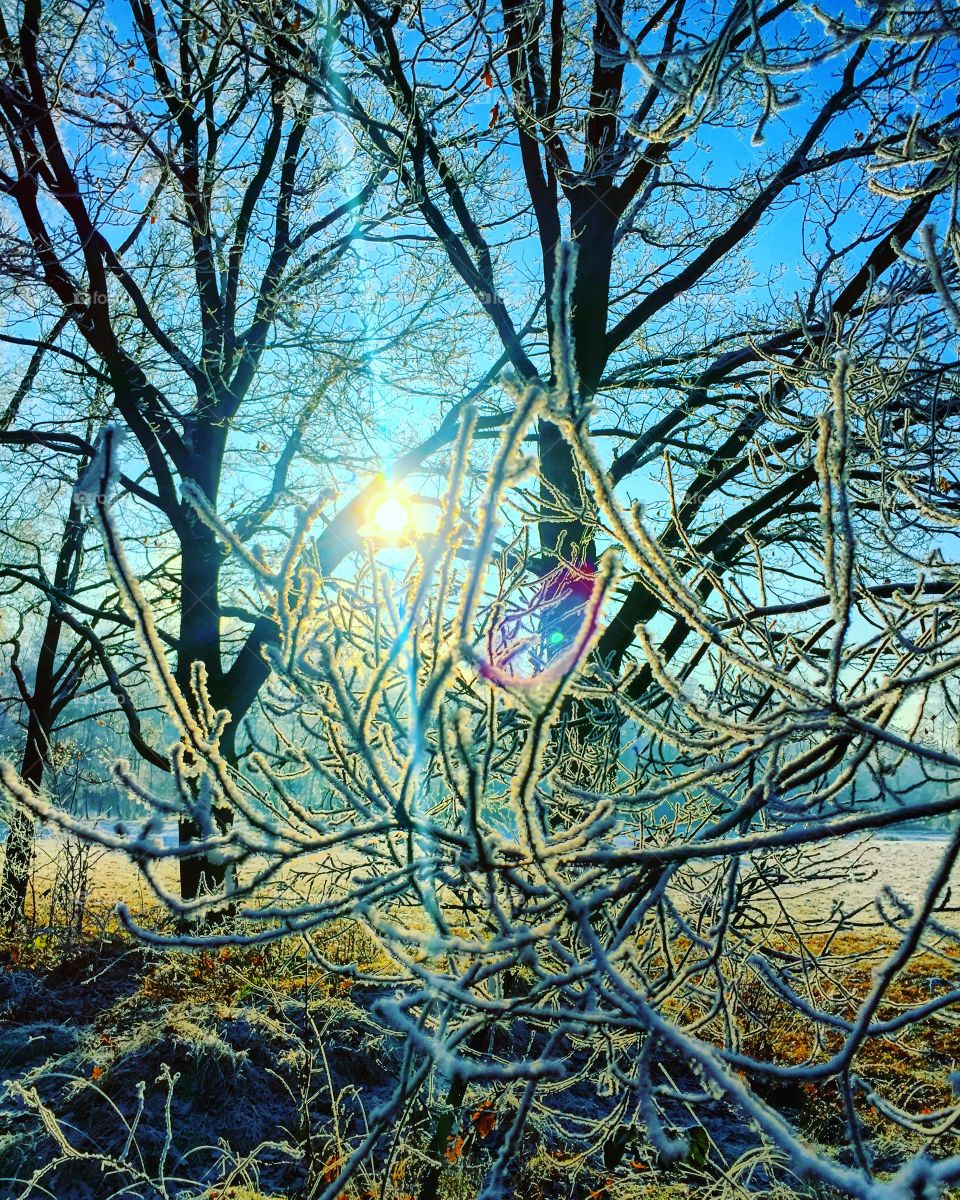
{"points": [[84, 1037]]}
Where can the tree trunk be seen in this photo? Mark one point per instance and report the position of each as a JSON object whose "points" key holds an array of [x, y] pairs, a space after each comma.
{"points": [[201, 560]]}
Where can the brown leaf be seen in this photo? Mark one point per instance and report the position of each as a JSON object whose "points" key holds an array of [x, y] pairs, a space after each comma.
{"points": [[484, 1120], [331, 1168], [454, 1150]]}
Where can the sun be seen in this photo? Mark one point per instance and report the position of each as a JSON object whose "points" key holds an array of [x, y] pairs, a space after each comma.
{"points": [[390, 514]]}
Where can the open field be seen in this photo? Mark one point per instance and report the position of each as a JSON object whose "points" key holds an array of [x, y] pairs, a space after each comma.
{"points": [[869, 865]]}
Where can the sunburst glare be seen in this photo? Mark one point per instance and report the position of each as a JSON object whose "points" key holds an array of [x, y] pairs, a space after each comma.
{"points": [[391, 514]]}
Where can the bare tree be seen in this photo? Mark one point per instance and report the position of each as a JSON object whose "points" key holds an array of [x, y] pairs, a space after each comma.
{"points": [[668, 142], [607, 833], [53, 686], [645, 913], [176, 208], [67, 664]]}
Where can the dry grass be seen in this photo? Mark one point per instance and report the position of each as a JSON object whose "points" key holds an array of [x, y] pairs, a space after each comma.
{"points": [[192, 997]]}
